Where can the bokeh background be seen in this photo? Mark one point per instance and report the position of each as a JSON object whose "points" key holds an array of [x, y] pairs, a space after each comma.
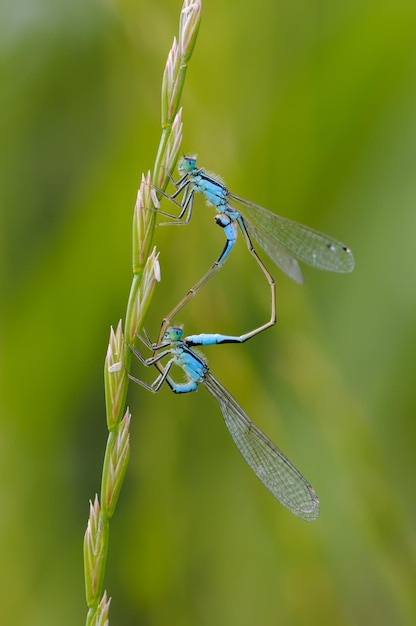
{"points": [[307, 108]]}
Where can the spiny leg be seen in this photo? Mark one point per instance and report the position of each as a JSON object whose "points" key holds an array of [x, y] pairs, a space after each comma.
{"points": [[185, 205], [158, 382]]}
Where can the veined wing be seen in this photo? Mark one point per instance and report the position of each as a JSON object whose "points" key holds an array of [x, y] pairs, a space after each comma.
{"points": [[269, 464], [272, 232]]}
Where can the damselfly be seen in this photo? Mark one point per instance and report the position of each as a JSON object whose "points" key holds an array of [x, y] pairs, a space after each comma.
{"points": [[282, 239], [269, 464]]}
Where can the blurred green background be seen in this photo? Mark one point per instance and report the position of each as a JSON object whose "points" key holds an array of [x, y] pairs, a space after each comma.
{"points": [[307, 108]]}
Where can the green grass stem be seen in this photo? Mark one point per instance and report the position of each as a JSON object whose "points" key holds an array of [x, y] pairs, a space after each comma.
{"points": [[146, 273]]}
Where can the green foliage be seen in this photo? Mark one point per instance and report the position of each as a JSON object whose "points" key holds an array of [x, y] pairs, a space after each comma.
{"points": [[307, 109]]}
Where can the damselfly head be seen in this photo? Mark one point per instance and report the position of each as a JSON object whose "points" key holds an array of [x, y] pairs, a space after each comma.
{"points": [[174, 333], [187, 164]]}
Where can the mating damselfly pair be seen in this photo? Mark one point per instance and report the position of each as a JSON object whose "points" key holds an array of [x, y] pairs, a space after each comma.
{"points": [[284, 241]]}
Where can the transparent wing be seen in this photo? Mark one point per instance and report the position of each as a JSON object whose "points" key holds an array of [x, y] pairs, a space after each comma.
{"points": [[308, 245], [279, 254], [271, 466]]}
